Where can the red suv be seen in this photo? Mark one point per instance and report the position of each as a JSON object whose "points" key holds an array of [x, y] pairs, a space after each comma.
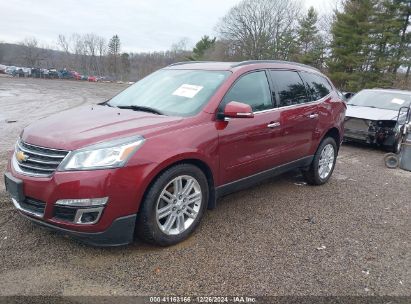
{"points": [[153, 158]]}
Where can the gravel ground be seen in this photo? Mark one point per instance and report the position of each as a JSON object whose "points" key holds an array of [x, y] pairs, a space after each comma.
{"points": [[349, 237]]}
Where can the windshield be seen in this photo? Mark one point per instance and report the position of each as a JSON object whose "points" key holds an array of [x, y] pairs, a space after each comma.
{"points": [[381, 99], [172, 92]]}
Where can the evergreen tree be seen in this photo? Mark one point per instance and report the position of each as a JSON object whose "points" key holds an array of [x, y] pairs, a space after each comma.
{"points": [[310, 44], [371, 40], [205, 44], [349, 65], [114, 54]]}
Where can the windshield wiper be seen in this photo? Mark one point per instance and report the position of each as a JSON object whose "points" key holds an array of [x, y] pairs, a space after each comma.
{"points": [[142, 109], [105, 103]]}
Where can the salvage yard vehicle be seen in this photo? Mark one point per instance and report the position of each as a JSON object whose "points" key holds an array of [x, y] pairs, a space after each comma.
{"points": [[153, 158], [376, 116]]}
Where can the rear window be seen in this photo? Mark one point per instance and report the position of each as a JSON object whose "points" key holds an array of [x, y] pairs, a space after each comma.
{"points": [[290, 88], [318, 86]]}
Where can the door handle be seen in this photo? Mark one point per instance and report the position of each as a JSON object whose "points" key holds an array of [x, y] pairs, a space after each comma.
{"points": [[273, 125], [313, 116]]}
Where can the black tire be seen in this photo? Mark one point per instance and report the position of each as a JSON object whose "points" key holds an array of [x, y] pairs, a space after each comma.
{"points": [[391, 160], [147, 227], [311, 174]]}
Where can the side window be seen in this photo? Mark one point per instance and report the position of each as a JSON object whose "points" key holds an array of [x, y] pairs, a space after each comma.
{"points": [[318, 86], [252, 89], [291, 88]]}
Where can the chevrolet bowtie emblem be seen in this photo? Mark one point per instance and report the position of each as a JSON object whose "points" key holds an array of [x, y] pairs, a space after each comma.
{"points": [[21, 157]]}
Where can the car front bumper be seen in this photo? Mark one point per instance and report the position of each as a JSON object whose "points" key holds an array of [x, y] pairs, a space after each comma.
{"points": [[124, 188], [361, 130], [120, 232]]}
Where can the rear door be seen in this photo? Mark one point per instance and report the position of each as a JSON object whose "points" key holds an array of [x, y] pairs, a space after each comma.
{"points": [[319, 90], [298, 114]]}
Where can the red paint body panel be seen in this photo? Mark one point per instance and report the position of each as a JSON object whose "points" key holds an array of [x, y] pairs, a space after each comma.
{"points": [[232, 150]]}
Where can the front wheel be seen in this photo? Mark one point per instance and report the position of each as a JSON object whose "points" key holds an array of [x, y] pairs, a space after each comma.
{"points": [[323, 163], [173, 206]]}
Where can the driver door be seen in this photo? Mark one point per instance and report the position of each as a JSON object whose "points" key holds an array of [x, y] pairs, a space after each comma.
{"points": [[248, 145]]}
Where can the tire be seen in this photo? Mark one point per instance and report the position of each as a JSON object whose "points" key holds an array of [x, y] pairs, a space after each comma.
{"points": [[391, 160], [166, 214], [313, 175]]}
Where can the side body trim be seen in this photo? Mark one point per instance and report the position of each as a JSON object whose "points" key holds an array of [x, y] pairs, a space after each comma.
{"points": [[256, 178]]}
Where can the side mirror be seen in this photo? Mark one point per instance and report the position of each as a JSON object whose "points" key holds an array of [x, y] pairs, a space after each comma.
{"points": [[236, 109]]}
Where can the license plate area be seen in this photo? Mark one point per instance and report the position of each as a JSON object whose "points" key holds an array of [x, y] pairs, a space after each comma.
{"points": [[14, 187]]}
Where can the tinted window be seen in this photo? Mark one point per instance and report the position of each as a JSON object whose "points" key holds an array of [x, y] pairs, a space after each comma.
{"points": [[252, 89], [318, 86], [291, 88]]}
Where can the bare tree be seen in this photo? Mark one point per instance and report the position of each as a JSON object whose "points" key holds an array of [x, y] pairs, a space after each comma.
{"points": [[63, 43], [259, 29], [181, 45], [32, 53], [102, 51], [91, 46]]}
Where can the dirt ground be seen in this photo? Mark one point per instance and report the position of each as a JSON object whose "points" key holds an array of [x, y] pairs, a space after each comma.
{"points": [[349, 237]]}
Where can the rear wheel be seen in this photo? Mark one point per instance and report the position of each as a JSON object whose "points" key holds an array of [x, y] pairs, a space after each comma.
{"points": [[173, 206], [323, 163]]}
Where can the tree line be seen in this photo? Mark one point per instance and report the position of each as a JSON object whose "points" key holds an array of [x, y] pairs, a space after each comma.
{"points": [[366, 43], [362, 43]]}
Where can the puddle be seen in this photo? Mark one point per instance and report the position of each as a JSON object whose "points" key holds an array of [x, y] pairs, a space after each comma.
{"points": [[6, 94]]}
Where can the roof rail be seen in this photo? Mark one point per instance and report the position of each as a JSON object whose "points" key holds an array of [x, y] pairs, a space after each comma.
{"points": [[273, 61], [187, 62]]}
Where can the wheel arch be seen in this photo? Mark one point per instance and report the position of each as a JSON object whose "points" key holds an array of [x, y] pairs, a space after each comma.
{"points": [[335, 134], [202, 165]]}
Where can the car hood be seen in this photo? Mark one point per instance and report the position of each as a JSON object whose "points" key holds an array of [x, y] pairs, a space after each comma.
{"points": [[83, 126], [370, 113]]}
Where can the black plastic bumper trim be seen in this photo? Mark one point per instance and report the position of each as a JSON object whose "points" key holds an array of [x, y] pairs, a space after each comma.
{"points": [[120, 233]]}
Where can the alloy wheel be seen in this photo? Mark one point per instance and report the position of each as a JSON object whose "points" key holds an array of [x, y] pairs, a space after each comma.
{"points": [[326, 162], [178, 205]]}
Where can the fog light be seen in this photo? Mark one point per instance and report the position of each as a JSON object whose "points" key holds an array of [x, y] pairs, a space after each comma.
{"points": [[83, 202], [88, 216]]}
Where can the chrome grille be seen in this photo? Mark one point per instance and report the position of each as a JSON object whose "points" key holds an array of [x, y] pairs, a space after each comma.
{"points": [[37, 160]]}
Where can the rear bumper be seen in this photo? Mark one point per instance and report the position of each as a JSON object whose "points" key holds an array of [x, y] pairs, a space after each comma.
{"points": [[120, 233]]}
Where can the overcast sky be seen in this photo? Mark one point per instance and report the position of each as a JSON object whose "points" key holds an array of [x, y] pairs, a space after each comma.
{"points": [[143, 25]]}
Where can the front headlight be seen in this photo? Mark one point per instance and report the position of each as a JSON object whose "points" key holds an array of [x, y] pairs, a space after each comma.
{"points": [[111, 154]]}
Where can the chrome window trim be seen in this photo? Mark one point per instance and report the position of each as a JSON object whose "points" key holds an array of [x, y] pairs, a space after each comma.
{"points": [[293, 106]]}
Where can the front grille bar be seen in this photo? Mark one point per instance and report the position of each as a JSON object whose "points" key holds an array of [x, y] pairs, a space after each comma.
{"points": [[39, 161], [38, 153], [36, 168]]}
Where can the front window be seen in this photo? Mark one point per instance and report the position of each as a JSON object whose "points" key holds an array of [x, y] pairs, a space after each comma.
{"points": [[172, 92], [381, 99], [252, 89]]}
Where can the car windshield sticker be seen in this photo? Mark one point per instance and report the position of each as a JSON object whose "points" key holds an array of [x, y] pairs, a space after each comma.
{"points": [[187, 90], [398, 101]]}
